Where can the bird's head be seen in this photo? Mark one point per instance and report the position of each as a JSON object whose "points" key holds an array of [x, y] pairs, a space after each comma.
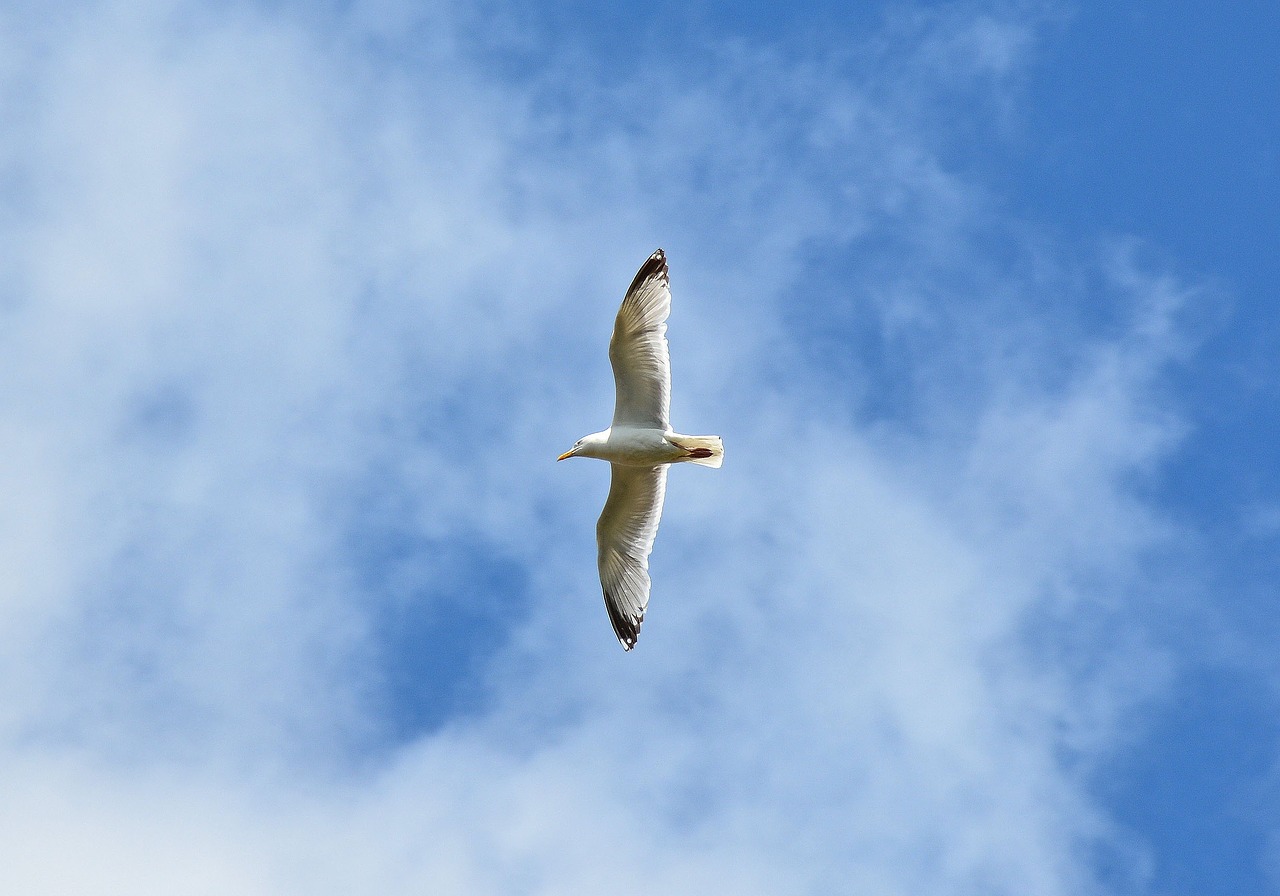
{"points": [[587, 446]]}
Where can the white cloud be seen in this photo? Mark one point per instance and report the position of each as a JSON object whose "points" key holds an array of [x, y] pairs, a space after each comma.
{"points": [[271, 276]]}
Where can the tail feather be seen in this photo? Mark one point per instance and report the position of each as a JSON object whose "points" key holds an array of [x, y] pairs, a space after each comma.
{"points": [[705, 450]]}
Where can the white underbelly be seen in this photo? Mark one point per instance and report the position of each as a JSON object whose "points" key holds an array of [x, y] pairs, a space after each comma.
{"points": [[640, 447]]}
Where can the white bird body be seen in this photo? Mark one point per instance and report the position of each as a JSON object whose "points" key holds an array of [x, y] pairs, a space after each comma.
{"points": [[639, 446]]}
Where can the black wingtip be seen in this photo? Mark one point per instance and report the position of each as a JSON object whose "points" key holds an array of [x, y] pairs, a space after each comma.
{"points": [[626, 627], [655, 266]]}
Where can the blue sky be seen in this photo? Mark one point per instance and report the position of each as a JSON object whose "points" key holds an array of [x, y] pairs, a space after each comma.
{"points": [[299, 302]]}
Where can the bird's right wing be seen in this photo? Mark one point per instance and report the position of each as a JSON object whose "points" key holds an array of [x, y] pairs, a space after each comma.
{"points": [[638, 349], [624, 535]]}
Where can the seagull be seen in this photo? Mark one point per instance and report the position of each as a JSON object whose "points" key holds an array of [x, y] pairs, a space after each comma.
{"points": [[639, 447]]}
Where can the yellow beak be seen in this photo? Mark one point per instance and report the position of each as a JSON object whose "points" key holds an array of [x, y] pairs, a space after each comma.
{"points": [[568, 453]]}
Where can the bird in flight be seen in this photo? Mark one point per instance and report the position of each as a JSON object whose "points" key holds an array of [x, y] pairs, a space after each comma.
{"points": [[639, 446]]}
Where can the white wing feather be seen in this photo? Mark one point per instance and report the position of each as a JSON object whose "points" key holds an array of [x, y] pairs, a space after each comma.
{"points": [[625, 535], [638, 349]]}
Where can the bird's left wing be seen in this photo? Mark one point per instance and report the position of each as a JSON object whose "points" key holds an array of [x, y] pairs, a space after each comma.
{"points": [[638, 349], [624, 535]]}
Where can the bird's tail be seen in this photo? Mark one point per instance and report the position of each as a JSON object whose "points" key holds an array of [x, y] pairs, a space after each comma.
{"points": [[705, 450]]}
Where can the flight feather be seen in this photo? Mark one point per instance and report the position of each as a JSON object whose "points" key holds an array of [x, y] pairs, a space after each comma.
{"points": [[638, 350], [624, 536]]}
